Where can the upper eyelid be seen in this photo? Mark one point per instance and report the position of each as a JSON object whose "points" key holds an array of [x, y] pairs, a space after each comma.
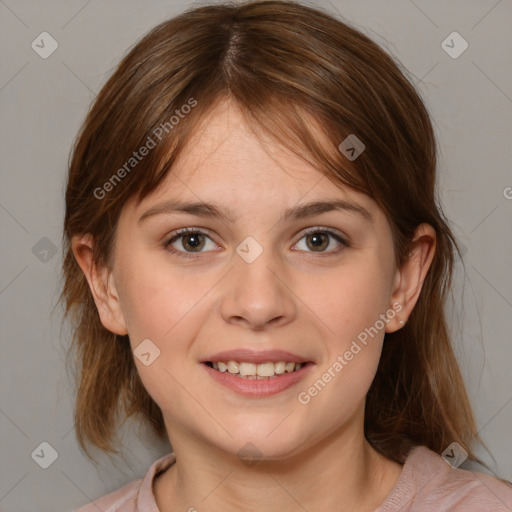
{"points": [[323, 228]]}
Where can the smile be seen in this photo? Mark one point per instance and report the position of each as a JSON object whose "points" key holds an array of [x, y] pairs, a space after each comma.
{"points": [[255, 371], [244, 378]]}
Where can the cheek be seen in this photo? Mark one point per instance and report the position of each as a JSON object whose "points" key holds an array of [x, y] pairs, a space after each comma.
{"points": [[349, 300], [156, 298], [167, 307], [350, 303]]}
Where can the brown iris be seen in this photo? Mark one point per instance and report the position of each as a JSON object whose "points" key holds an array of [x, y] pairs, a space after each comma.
{"points": [[193, 242], [319, 240]]}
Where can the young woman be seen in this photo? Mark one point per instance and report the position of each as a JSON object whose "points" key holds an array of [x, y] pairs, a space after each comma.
{"points": [[257, 266]]}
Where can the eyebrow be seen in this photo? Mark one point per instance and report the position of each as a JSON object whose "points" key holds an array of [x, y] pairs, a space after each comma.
{"points": [[216, 211]]}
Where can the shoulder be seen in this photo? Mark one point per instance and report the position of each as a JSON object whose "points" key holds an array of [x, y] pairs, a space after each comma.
{"points": [[428, 483], [125, 497], [136, 496]]}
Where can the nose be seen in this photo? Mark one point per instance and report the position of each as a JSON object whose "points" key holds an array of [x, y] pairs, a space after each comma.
{"points": [[257, 294]]}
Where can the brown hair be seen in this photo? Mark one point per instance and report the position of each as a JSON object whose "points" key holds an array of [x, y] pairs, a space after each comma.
{"points": [[289, 68]]}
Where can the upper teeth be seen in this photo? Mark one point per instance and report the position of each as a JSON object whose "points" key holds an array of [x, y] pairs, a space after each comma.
{"points": [[261, 370]]}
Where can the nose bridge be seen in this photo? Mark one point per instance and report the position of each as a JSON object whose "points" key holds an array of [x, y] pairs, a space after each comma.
{"points": [[257, 291]]}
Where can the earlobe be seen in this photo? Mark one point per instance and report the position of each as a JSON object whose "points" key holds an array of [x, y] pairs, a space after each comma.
{"points": [[409, 279], [102, 285]]}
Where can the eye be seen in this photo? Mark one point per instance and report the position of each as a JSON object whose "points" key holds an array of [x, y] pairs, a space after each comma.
{"points": [[192, 241], [318, 239]]}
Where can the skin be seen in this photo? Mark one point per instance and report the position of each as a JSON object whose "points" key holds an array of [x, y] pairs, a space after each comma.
{"points": [[314, 456]]}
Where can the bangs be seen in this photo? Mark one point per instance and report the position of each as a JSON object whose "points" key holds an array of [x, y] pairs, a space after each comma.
{"points": [[279, 122]]}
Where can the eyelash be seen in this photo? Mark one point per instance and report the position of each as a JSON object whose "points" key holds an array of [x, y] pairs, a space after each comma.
{"points": [[310, 231]]}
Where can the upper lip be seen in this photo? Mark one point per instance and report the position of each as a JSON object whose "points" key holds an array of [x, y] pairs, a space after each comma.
{"points": [[242, 355]]}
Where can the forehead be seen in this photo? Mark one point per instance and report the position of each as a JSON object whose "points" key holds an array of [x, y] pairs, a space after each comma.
{"points": [[225, 147], [228, 163]]}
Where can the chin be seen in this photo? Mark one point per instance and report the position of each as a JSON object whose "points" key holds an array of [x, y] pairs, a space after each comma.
{"points": [[262, 446]]}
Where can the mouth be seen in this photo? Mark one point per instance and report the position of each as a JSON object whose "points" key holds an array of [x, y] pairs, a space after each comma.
{"points": [[256, 371], [257, 380]]}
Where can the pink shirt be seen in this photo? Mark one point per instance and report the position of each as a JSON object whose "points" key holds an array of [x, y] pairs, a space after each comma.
{"points": [[427, 484]]}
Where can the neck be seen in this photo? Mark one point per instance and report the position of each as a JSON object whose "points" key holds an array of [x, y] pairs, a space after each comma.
{"points": [[342, 472]]}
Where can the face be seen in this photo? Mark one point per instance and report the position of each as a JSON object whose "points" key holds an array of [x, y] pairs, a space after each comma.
{"points": [[255, 280]]}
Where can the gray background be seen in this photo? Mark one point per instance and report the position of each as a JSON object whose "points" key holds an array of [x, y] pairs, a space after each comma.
{"points": [[43, 102]]}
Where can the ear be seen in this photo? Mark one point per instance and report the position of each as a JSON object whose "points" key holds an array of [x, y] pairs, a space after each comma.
{"points": [[102, 284], [409, 279]]}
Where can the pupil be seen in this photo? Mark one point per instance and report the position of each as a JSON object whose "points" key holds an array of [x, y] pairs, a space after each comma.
{"points": [[193, 241], [318, 240]]}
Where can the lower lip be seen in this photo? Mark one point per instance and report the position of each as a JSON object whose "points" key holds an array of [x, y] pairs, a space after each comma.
{"points": [[259, 387]]}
